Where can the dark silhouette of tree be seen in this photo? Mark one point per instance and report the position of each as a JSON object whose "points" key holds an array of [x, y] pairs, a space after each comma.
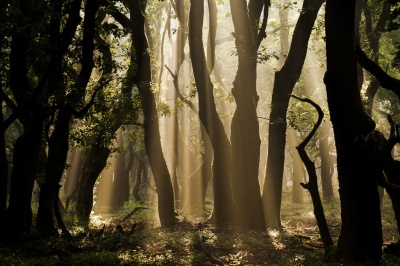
{"points": [[360, 207]]}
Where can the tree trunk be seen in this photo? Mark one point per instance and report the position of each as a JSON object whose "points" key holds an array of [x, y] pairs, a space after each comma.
{"points": [[119, 183], [245, 134], [361, 232], [26, 152], [312, 185], [298, 171], [58, 149], [139, 171], [95, 162], [326, 174], [58, 143], [128, 169], [285, 79], [72, 176], [223, 198]]}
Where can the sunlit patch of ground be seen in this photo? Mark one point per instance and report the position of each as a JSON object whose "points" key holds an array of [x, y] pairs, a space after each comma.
{"points": [[110, 240]]}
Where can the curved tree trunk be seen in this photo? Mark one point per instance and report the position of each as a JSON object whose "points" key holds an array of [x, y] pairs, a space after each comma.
{"points": [[285, 79], [223, 198]]}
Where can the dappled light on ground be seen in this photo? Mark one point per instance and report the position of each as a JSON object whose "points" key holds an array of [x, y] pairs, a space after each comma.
{"points": [[139, 240]]}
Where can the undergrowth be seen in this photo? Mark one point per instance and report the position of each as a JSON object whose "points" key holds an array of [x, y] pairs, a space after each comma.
{"points": [[299, 244]]}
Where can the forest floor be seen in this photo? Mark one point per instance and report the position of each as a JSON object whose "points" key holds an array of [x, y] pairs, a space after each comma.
{"points": [[189, 243]]}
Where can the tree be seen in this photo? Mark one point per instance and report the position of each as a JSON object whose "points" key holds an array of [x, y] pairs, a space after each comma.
{"points": [[29, 59], [58, 141], [151, 128], [326, 162], [285, 79], [360, 208], [223, 198], [245, 135]]}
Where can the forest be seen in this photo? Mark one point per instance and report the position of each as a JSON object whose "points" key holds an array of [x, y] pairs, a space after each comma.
{"points": [[199, 132]]}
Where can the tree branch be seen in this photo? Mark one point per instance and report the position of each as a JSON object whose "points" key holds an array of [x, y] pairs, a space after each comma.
{"points": [[386, 81], [85, 109], [262, 33]]}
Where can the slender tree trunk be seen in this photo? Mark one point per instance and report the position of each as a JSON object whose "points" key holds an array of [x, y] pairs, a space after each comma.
{"points": [[298, 171], [361, 232], [285, 79], [128, 169], [312, 184], [139, 171], [223, 198], [165, 193], [118, 188], [326, 175]]}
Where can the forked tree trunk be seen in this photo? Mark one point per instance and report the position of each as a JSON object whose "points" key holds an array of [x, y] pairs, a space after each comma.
{"points": [[245, 134], [223, 198], [58, 143]]}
